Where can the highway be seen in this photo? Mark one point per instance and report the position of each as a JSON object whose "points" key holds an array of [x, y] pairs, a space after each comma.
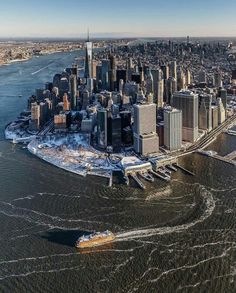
{"points": [[207, 139]]}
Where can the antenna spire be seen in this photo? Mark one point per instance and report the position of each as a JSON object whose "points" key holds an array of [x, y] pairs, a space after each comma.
{"points": [[88, 35]]}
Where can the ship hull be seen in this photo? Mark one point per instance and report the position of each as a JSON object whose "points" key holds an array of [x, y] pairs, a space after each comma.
{"points": [[95, 242]]}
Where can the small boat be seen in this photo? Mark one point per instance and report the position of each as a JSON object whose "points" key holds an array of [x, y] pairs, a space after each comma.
{"points": [[95, 239], [20, 96]]}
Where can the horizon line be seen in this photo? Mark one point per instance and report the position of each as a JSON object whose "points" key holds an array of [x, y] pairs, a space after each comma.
{"points": [[92, 36]]}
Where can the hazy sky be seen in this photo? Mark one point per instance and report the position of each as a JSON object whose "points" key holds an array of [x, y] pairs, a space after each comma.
{"points": [[71, 18]]}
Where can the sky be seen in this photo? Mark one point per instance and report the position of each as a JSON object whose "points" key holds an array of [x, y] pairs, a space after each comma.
{"points": [[119, 18]]}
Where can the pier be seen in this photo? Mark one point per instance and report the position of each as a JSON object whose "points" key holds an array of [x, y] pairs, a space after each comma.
{"points": [[231, 132], [23, 139], [137, 180], [231, 156], [229, 159], [184, 170], [161, 176]]}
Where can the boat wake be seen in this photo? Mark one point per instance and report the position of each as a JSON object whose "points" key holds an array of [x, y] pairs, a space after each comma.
{"points": [[41, 69], [142, 233]]}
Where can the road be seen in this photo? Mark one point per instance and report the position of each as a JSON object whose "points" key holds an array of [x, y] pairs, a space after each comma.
{"points": [[207, 139]]}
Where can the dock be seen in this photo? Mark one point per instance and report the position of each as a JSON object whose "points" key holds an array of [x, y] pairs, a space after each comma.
{"points": [[184, 170], [231, 156], [23, 139], [147, 176], [231, 132], [137, 180], [224, 159], [172, 168], [160, 176], [229, 159]]}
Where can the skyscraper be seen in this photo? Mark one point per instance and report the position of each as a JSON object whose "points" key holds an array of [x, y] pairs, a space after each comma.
{"points": [[158, 87], [205, 112], [171, 88], [73, 91], [149, 82], [88, 58], [35, 116], [173, 69], [102, 128], [223, 96], [187, 102], [217, 79], [145, 136], [188, 77], [181, 82], [105, 74], [112, 72], [66, 103], [221, 111], [114, 131], [172, 129]]}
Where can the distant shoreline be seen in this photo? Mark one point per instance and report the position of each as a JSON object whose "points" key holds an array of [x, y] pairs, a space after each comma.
{"points": [[31, 57]]}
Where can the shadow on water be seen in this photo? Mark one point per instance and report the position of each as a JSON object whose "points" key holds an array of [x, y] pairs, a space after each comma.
{"points": [[64, 237]]}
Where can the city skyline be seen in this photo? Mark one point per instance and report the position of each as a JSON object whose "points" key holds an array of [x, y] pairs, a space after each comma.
{"points": [[109, 19]]}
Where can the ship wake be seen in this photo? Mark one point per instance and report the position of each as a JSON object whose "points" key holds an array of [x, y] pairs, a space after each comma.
{"points": [[209, 205]]}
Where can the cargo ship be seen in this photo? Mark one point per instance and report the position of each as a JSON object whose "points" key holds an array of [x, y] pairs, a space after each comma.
{"points": [[95, 239]]}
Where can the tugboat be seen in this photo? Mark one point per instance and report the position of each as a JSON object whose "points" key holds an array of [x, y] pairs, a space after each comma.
{"points": [[95, 239]]}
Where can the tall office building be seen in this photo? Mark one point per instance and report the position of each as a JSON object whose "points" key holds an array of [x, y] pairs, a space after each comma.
{"points": [[121, 86], [94, 69], [223, 96], [173, 69], [145, 137], [215, 116], [64, 86], [141, 72], [56, 80], [129, 67], [172, 129], [66, 103], [75, 70], [73, 91], [88, 58], [105, 74], [202, 78], [158, 87], [98, 73], [90, 85], [126, 131], [149, 82], [112, 72], [166, 71], [86, 97], [221, 111], [121, 74], [114, 131], [171, 88], [102, 128], [187, 102], [205, 112], [35, 116], [217, 79], [44, 113], [181, 82], [188, 78]]}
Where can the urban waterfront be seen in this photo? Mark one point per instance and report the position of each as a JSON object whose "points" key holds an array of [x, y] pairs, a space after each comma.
{"points": [[177, 236]]}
